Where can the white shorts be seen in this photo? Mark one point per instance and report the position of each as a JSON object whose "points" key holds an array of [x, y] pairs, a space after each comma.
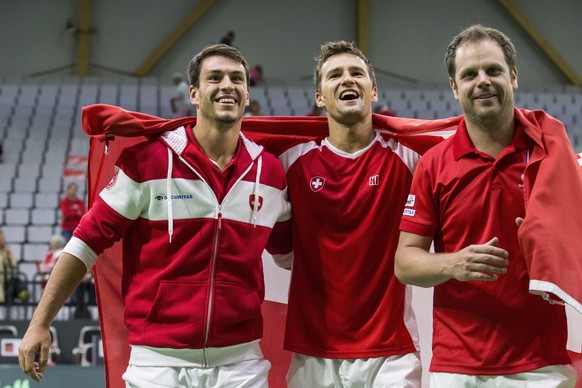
{"points": [[553, 376], [401, 371], [244, 374]]}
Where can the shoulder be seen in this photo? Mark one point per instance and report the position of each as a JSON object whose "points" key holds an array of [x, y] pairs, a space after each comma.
{"points": [[273, 170], [437, 159], [298, 149], [142, 158], [441, 150]]}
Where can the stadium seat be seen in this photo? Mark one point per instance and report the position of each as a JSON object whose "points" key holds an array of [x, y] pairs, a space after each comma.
{"points": [[54, 350], [46, 200], [3, 202], [21, 200], [17, 216], [8, 331], [43, 217], [34, 251], [39, 234], [14, 233]]}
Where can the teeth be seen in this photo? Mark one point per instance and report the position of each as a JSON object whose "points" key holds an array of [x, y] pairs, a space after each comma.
{"points": [[348, 94], [226, 100]]}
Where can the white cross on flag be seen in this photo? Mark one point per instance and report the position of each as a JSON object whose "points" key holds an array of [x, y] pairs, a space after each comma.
{"points": [[252, 202], [317, 183]]}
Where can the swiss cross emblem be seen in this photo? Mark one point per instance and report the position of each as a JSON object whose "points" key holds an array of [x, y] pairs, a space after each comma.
{"points": [[258, 201], [317, 183]]}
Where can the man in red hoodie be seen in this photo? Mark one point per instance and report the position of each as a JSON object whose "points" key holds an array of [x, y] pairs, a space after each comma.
{"points": [[468, 195], [196, 207]]}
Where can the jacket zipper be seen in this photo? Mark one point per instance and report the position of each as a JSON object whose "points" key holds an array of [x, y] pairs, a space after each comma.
{"points": [[211, 292], [214, 253]]}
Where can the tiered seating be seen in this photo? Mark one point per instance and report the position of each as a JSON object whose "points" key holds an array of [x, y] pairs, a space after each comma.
{"points": [[44, 145], [26, 131]]}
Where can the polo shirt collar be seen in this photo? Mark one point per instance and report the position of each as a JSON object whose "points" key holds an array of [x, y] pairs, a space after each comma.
{"points": [[462, 144]]}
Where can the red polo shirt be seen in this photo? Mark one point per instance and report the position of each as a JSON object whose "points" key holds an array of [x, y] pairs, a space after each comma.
{"points": [[461, 196]]}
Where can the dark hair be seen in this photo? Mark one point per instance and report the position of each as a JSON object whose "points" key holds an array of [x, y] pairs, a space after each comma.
{"points": [[217, 49], [475, 34], [330, 49]]}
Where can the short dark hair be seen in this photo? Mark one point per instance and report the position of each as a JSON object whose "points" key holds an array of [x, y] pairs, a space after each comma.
{"points": [[216, 49], [330, 49], [475, 34]]}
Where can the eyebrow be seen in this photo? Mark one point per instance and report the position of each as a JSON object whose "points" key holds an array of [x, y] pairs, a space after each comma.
{"points": [[220, 72], [350, 68]]}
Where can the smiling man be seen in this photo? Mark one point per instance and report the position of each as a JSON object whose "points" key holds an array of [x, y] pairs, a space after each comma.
{"points": [[349, 320], [469, 194], [195, 208]]}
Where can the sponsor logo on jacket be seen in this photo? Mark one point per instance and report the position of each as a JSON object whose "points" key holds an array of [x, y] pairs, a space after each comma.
{"points": [[173, 197]]}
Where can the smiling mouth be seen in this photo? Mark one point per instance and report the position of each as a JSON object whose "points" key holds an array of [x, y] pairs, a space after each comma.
{"points": [[348, 95], [226, 100], [485, 96]]}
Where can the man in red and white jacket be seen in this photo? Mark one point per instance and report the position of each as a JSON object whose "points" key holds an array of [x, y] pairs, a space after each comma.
{"points": [[196, 207]]}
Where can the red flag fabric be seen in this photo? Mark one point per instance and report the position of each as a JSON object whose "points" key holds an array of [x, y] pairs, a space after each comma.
{"points": [[550, 234], [107, 270], [112, 129], [274, 315], [546, 215]]}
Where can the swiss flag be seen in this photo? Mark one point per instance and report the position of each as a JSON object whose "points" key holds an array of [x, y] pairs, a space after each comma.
{"points": [[259, 202], [101, 120]]}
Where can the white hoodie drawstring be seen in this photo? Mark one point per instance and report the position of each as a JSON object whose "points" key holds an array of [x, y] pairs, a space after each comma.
{"points": [[256, 190], [169, 195]]}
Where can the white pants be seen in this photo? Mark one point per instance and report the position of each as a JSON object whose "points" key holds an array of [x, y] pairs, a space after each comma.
{"points": [[244, 374], [402, 371], [554, 376]]}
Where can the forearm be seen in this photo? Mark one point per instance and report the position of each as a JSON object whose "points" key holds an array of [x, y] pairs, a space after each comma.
{"points": [[414, 264], [66, 275], [419, 267]]}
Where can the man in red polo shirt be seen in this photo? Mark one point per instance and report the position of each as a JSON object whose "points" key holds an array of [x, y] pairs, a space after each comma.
{"points": [[466, 195]]}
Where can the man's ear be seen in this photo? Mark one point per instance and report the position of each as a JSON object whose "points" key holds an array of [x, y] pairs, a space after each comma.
{"points": [[375, 94], [319, 100], [514, 77], [194, 95], [454, 88]]}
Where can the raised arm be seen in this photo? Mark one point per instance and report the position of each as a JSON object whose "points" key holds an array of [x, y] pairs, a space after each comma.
{"points": [[64, 278], [415, 265]]}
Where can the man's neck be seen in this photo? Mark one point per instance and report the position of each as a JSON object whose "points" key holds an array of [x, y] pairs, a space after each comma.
{"points": [[219, 144], [351, 138], [491, 137]]}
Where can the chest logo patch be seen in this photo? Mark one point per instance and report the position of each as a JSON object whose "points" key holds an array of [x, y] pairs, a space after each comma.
{"points": [[374, 180], [317, 183], [258, 200]]}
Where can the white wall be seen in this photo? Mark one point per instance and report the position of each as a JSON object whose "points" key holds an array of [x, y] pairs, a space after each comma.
{"points": [[406, 37]]}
